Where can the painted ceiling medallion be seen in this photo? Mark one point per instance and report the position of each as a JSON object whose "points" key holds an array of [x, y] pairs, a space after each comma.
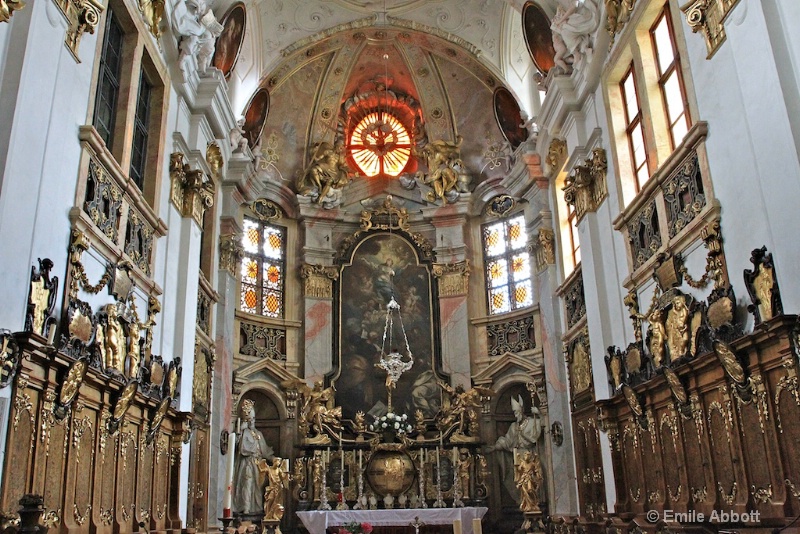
{"points": [[380, 145]]}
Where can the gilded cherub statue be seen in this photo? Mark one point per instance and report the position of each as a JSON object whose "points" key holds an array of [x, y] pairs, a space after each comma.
{"points": [[275, 491], [114, 341], [677, 327], [443, 159], [528, 479], [658, 335], [327, 172]]}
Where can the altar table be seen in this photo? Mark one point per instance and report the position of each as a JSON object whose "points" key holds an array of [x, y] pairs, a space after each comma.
{"points": [[318, 521]]}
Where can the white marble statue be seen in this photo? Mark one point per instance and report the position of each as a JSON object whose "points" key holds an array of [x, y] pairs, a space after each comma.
{"points": [[522, 436], [251, 448], [194, 21], [237, 137], [573, 28]]}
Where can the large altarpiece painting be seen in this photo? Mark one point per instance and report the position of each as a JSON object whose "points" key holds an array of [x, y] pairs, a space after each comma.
{"points": [[382, 266]]}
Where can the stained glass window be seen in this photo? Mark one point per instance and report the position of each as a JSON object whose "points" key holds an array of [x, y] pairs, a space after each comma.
{"points": [[507, 262], [263, 268], [380, 145]]}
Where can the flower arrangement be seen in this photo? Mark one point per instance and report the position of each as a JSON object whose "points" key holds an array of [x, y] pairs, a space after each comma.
{"points": [[355, 528], [392, 422]]}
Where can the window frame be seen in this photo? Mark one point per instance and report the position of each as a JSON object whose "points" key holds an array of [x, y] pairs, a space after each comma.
{"points": [[103, 76], [260, 259], [140, 58], [632, 124], [574, 240], [663, 77], [508, 256]]}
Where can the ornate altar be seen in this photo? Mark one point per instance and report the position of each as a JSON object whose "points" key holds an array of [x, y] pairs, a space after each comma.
{"points": [[387, 459]]}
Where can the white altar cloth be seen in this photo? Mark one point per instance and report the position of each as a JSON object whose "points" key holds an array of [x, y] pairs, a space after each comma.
{"points": [[318, 521]]}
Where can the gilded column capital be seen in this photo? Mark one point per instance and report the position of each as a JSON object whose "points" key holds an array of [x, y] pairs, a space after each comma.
{"points": [[556, 155], [152, 13], [544, 249], [7, 8], [83, 17], [585, 188], [190, 191], [453, 278], [618, 13], [318, 280], [230, 252], [706, 17]]}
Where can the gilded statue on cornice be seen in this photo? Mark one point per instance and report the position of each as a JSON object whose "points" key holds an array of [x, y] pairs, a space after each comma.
{"points": [[445, 168], [326, 175], [573, 27], [317, 411]]}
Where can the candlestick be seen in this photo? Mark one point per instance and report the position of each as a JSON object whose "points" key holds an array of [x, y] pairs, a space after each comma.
{"points": [[457, 494], [439, 502], [359, 505], [342, 502], [477, 526], [323, 495], [228, 497]]}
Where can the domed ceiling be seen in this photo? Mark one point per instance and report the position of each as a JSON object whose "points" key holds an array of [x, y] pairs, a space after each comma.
{"points": [[444, 57]]}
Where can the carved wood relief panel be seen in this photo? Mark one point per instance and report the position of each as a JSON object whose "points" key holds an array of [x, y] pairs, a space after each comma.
{"points": [[93, 476]]}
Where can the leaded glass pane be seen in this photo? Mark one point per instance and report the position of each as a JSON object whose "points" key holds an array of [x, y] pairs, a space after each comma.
{"points": [[523, 295], [520, 267], [272, 276], [249, 299], [272, 304], [495, 239], [516, 232], [250, 237], [498, 273], [273, 242], [249, 270], [498, 300]]}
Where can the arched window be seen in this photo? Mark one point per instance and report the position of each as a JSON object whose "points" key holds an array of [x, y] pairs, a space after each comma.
{"points": [[507, 263], [380, 145], [263, 268]]}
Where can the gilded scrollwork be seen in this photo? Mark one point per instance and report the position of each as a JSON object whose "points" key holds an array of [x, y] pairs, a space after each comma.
{"points": [[80, 518], [515, 335], [556, 154], [585, 187], [698, 495], [318, 280], [7, 8], [453, 278], [262, 341], [544, 249], [41, 298], [266, 210], [152, 13], [762, 495], [230, 252], [706, 17], [728, 497], [191, 192], [385, 217], [618, 12], [83, 17]]}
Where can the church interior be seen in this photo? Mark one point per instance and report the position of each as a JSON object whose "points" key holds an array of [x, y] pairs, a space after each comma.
{"points": [[352, 266]]}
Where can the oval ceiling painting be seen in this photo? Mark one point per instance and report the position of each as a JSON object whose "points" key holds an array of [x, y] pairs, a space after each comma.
{"points": [[538, 37], [507, 113], [255, 114], [229, 43]]}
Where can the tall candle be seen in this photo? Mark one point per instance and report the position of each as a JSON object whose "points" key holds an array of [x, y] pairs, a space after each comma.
{"points": [[455, 456], [438, 471], [456, 526], [228, 498], [360, 459], [477, 526]]}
